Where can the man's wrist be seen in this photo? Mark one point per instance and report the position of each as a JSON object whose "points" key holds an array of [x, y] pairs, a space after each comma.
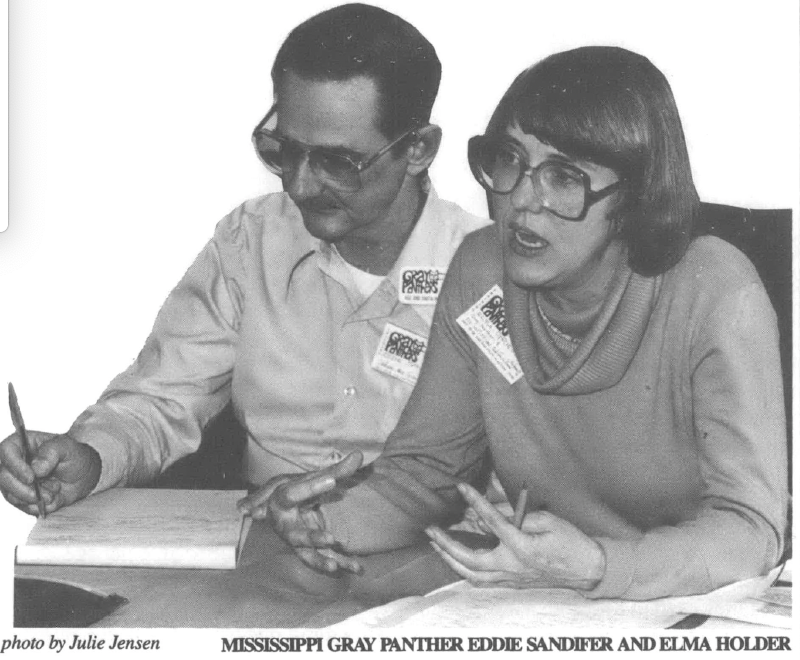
{"points": [[94, 466]]}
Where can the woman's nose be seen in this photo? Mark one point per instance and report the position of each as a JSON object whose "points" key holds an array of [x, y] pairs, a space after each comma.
{"points": [[526, 195]]}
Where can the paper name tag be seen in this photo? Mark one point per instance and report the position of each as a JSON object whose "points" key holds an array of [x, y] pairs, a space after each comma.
{"points": [[485, 323], [420, 286], [400, 354]]}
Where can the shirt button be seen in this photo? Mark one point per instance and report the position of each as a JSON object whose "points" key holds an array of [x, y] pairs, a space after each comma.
{"points": [[350, 391]]}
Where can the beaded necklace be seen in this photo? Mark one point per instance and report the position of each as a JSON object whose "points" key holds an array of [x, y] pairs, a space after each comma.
{"points": [[552, 327]]}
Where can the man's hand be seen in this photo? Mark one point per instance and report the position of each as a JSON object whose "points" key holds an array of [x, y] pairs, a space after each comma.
{"points": [[547, 552], [67, 471], [289, 502]]}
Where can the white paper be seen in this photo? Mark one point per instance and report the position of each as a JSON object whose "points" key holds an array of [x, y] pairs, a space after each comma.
{"points": [[463, 606]]}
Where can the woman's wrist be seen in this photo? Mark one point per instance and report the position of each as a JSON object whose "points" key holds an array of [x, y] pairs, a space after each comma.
{"points": [[597, 567]]}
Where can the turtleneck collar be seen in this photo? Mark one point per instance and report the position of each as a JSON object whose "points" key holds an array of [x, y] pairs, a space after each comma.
{"points": [[554, 365]]}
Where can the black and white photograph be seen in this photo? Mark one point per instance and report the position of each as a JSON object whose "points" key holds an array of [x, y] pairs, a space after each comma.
{"points": [[399, 327]]}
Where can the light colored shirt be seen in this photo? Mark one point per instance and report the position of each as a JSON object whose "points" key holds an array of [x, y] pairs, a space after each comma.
{"points": [[271, 317]]}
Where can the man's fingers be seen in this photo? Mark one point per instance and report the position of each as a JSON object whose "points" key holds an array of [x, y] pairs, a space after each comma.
{"points": [[12, 459], [256, 513], [261, 496], [303, 491], [25, 506], [14, 500], [250, 503], [49, 489], [311, 538], [347, 563], [12, 486], [291, 491], [50, 454], [347, 466], [316, 560], [328, 561]]}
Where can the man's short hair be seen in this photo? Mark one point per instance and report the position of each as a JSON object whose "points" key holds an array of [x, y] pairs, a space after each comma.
{"points": [[360, 40]]}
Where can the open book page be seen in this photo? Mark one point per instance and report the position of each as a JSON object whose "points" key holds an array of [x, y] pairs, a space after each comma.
{"points": [[140, 527]]}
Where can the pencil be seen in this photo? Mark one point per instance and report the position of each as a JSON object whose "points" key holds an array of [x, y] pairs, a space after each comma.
{"points": [[519, 511], [27, 450]]}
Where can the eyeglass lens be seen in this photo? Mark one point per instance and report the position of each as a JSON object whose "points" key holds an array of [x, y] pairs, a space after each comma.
{"points": [[560, 187], [284, 157]]}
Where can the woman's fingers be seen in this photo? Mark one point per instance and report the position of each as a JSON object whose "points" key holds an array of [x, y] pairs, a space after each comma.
{"points": [[496, 522], [476, 560], [476, 577]]}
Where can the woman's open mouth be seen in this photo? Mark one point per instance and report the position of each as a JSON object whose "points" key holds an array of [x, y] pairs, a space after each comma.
{"points": [[525, 242]]}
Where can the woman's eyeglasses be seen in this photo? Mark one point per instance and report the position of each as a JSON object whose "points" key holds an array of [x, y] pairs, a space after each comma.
{"points": [[340, 171], [499, 165]]}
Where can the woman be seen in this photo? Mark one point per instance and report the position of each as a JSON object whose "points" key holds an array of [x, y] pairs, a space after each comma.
{"points": [[641, 407]]}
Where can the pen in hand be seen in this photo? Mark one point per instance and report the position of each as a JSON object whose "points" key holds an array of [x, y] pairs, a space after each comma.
{"points": [[519, 511], [27, 450]]}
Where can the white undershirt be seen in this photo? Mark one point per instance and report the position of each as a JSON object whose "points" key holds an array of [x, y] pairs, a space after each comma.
{"points": [[366, 282]]}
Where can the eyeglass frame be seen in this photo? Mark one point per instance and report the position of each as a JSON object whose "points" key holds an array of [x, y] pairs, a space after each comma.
{"points": [[359, 165], [590, 196]]}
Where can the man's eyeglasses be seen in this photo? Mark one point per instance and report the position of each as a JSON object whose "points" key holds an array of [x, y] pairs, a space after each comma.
{"points": [[499, 165], [340, 171]]}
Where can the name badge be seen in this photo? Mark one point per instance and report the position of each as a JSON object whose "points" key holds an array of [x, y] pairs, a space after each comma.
{"points": [[420, 286], [485, 323], [400, 354]]}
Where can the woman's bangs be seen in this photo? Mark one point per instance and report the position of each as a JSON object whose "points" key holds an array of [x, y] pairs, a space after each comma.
{"points": [[572, 126]]}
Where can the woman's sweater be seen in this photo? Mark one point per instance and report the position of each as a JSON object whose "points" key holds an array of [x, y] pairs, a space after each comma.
{"points": [[661, 435]]}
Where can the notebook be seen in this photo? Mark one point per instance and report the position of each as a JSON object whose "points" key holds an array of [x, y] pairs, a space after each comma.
{"points": [[141, 527]]}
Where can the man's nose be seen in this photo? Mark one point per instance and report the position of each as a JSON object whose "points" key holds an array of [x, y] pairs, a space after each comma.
{"points": [[527, 195], [302, 182]]}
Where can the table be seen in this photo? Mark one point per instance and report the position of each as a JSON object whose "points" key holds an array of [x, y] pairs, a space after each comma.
{"points": [[270, 588]]}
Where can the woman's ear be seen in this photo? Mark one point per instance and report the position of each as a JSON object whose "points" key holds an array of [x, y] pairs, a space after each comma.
{"points": [[423, 148]]}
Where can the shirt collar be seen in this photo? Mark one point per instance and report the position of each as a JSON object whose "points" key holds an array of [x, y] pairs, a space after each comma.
{"points": [[429, 245]]}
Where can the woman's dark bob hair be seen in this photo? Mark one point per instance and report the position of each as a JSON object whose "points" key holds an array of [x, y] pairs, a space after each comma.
{"points": [[614, 108]]}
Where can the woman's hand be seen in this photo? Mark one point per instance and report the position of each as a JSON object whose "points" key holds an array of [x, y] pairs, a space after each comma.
{"points": [[547, 552]]}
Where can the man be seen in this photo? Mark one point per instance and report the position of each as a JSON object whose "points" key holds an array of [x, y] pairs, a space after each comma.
{"points": [[310, 309]]}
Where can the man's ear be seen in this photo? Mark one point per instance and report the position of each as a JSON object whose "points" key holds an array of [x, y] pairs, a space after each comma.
{"points": [[423, 148]]}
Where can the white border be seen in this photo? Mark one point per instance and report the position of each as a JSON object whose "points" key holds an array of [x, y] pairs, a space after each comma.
{"points": [[128, 138]]}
